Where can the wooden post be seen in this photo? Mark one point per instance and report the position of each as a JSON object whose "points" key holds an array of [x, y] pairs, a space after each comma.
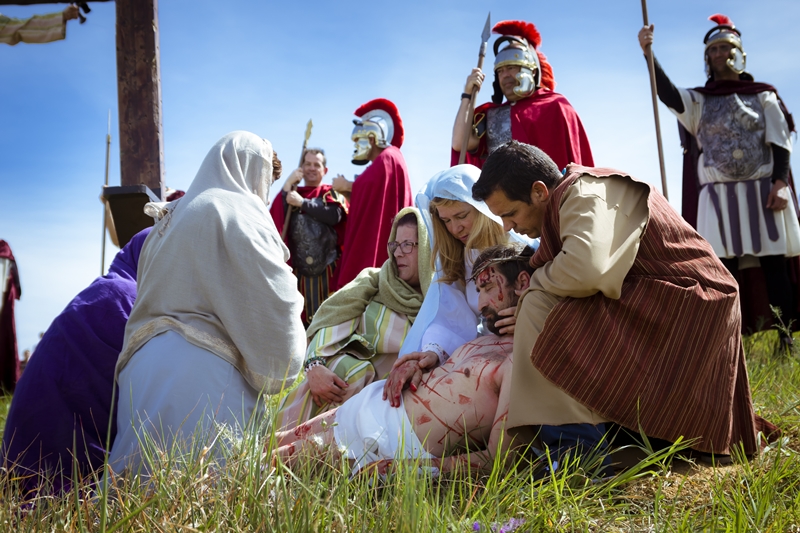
{"points": [[141, 141]]}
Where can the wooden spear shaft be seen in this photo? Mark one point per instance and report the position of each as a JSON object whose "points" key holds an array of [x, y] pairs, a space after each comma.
{"points": [[290, 208], [462, 155], [105, 205], [651, 67]]}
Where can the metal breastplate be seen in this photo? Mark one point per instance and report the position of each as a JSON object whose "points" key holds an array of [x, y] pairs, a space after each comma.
{"points": [[732, 131], [313, 244], [498, 127]]}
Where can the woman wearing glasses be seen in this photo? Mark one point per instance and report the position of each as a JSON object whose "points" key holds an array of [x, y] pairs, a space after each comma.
{"points": [[357, 332], [461, 227]]}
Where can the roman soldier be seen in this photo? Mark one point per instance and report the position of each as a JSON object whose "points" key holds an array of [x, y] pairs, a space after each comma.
{"points": [[379, 193], [737, 187], [532, 112], [316, 229]]}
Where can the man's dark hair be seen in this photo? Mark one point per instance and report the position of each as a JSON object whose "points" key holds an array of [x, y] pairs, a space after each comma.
{"points": [[513, 168], [319, 151], [509, 259]]}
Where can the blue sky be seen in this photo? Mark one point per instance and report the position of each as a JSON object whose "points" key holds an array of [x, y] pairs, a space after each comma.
{"points": [[268, 67]]}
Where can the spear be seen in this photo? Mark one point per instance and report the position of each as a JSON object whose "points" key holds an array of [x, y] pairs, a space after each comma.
{"points": [[651, 67], [105, 205], [294, 187], [471, 107]]}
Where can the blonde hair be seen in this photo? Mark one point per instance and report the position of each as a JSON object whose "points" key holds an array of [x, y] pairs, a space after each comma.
{"points": [[450, 251]]}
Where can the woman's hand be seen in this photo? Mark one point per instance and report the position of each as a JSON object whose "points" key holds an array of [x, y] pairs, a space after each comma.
{"points": [[426, 360], [326, 387], [407, 373]]}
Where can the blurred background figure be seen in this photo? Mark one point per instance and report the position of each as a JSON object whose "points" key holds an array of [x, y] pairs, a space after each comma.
{"points": [[11, 291]]}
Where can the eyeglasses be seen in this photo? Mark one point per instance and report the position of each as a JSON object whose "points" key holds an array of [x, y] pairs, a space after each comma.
{"points": [[406, 246]]}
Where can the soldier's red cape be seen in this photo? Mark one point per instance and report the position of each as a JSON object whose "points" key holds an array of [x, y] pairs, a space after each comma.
{"points": [[545, 120], [752, 285], [378, 194], [10, 290]]}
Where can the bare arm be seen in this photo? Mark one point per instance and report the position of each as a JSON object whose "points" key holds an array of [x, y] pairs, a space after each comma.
{"points": [[475, 79]]}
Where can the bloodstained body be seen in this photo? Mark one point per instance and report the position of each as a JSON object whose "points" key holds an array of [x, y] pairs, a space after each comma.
{"points": [[460, 405]]}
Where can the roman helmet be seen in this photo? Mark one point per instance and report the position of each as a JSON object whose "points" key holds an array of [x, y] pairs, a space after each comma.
{"points": [[380, 119], [523, 40], [725, 32]]}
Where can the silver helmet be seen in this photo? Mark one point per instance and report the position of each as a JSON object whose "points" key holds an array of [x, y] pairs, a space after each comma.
{"points": [[725, 32], [376, 123], [521, 53]]}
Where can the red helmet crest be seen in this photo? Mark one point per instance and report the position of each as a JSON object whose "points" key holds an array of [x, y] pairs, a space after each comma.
{"points": [[388, 107], [721, 20], [520, 29]]}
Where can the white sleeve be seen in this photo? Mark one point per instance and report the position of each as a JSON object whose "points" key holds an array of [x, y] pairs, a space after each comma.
{"points": [[445, 319], [777, 128], [692, 109], [454, 322]]}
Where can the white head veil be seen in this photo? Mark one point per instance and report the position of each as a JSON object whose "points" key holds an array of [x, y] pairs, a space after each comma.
{"points": [[445, 317], [214, 270]]}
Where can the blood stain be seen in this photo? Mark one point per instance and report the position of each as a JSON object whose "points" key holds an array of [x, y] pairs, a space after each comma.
{"points": [[466, 372], [302, 430], [464, 399], [423, 419]]}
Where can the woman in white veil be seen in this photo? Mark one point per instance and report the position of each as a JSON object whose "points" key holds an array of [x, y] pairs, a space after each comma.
{"points": [[459, 228], [217, 317]]}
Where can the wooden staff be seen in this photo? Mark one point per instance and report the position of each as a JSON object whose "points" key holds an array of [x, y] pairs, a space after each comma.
{"points": [[651, 67], [105, 205], [290, 208], [462, 156]]}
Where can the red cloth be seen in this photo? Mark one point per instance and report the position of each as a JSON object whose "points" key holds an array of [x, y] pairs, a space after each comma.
{"points": [[666, 356], [378, 194], [545, 120], [9, 357]]}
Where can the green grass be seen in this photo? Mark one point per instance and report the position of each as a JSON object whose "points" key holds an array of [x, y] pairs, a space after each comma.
{"points": [[663, 492]]}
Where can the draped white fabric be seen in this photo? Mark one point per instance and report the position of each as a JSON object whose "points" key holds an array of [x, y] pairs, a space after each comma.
{"points": [[214, 270]]}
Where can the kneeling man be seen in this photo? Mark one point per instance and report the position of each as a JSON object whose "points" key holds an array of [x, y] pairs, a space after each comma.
{"points": [[630, 316], [458, 407]]}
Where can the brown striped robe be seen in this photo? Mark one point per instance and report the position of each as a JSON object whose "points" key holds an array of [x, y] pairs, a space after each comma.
{"points": [[666, 356]]}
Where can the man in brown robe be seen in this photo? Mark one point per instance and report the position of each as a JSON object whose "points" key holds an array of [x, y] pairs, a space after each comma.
{"points": [[629, 317]]}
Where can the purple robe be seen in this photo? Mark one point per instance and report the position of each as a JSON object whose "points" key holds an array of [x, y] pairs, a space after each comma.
{"points": [[63, 399]]}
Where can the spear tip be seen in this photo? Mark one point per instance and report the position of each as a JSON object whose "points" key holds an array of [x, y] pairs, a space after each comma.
{"points": [[487, 29]]}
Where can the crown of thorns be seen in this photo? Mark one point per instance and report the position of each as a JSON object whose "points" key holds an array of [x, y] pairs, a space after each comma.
{"points": [[486, 264]]}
